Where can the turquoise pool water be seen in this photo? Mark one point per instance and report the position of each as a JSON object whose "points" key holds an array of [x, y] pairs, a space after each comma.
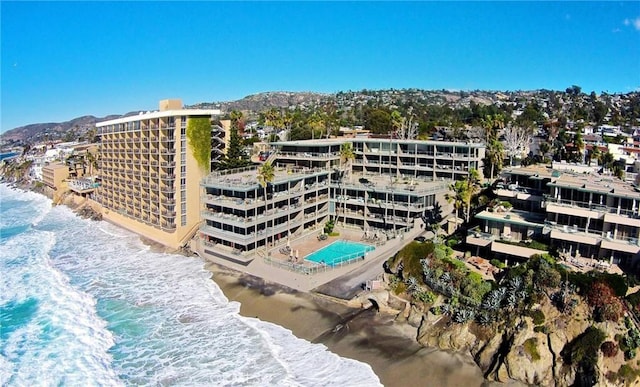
{"points": [[338, 252]]}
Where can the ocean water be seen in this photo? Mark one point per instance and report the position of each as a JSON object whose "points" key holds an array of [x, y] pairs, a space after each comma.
{"points": [[86, 303]]}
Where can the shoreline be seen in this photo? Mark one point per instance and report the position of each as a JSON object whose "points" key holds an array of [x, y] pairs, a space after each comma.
{"points": [[388, 347]]}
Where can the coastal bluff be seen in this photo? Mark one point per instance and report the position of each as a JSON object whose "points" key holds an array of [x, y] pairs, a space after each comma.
{"points": [[518, 354]]}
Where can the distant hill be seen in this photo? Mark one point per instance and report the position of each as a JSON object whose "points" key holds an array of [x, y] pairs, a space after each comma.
{"points": [[553, 103], [263, 101], [36, 132], [56, 130], [254, 103]]}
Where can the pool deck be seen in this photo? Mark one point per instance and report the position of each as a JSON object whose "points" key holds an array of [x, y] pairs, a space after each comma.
{"points": [[341, 282]]}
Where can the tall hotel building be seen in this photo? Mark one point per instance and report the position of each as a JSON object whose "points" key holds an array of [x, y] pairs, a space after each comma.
{"points": [[150, 178]]}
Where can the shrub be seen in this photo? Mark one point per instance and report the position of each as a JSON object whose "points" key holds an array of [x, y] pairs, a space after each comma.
{"points": [[458, 264], [584, 348], [399, 288], [616, 282], [634, 299], [541, 329], [334, 234], [531, 348], [452, 242], [582, 281], [475, 290], [425, 296], [599, 294], [627, 374], [497, 263], [612, 311], [538, 317], [609, 349], [411, 255], [629, 354]]}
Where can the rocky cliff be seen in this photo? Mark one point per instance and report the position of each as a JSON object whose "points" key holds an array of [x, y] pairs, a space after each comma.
{"points": [[514, 352]]}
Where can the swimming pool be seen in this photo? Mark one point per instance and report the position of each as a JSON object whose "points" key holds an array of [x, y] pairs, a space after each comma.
{"points": [[338, 252]]}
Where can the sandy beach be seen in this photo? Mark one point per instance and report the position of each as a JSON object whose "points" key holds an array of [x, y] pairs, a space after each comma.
{"points": [[365, 335]]}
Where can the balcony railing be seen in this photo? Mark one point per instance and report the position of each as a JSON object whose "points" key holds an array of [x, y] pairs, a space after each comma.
{"points": [[604, 235], [593, 207]]}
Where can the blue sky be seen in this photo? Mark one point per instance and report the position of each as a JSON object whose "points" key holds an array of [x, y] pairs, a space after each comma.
{"points": [[61, 60]]}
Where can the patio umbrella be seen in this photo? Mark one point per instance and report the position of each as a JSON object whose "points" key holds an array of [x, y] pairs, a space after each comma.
{"points": [[297, 254]]}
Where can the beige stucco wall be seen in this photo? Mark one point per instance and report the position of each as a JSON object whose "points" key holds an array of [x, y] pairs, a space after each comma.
{"points": [[54, 174], [170, 104], [156, 235]]}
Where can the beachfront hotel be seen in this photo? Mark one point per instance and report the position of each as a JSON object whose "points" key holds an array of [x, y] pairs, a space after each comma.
{"points": [[150, 180], [581, 214], [384, 192]]}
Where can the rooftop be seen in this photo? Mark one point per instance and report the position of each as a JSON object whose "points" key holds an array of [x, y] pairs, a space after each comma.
{"points": [[160, 114], [596, 183], [342, 140], [588, 182], [246, 178]]}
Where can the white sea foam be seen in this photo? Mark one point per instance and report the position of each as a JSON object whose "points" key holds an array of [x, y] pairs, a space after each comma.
{"points": [[65, 342], [141, 317]]}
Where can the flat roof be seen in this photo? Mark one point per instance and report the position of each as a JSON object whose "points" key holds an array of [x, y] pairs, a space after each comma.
{"points": [[586, 182], [160, 114], [609, 185], [538, 171], [340, 141]]}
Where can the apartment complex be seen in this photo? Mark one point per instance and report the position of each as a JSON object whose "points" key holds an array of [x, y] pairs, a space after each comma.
{"points": [[149, 177], [579, 214], [384, 191]]}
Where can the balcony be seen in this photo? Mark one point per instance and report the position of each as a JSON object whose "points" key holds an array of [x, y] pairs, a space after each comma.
{"points": [[168, 226], [168, 214], [574, 234], [231, 236]]}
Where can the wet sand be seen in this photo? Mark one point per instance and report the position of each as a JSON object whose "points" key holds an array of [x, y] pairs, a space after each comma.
{"points": [[365, 335]]}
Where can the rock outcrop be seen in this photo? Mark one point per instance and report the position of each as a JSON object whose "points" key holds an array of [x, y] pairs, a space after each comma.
{"points": [[515, 352], [88, 212]]}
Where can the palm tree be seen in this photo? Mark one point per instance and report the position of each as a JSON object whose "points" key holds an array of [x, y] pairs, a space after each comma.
{"points": [[266, 174], [595, 154], [92, 161], [463, 192], [346, 155], [495, 156], [579, 144], [457, 197], [473, 187]]}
